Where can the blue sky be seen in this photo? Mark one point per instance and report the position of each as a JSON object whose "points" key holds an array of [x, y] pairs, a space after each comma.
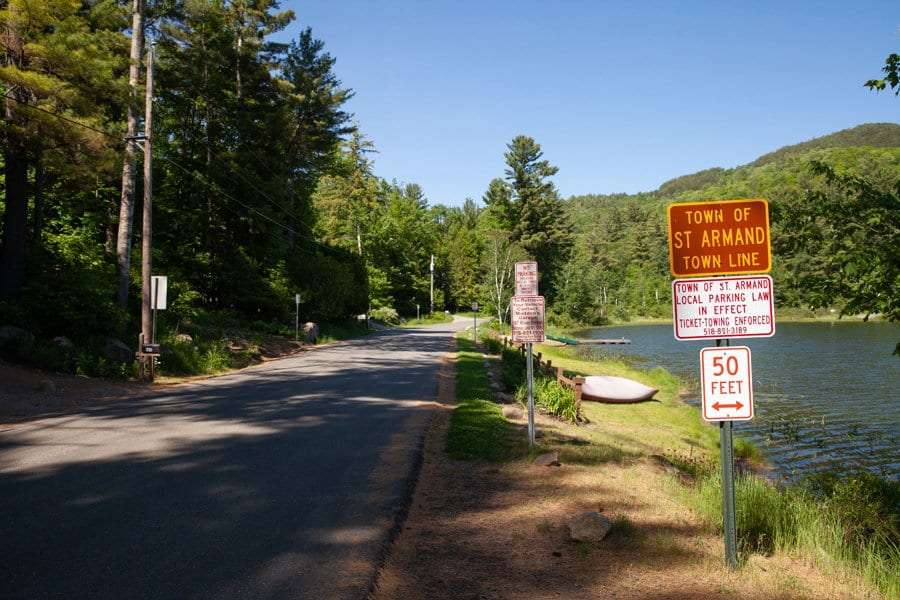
{"points": [[621, 96]]}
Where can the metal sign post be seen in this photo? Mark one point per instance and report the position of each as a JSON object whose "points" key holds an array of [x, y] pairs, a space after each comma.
{"points": [[527, 321], [296, 317], [726, 456], [530, 372], [418, 318]]}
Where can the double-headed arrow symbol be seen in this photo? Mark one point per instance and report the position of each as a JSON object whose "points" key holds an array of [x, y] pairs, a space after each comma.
{"points": [[720, 406]]}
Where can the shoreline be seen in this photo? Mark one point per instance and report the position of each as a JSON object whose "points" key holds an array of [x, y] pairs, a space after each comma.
{"points": [[785, 319]]}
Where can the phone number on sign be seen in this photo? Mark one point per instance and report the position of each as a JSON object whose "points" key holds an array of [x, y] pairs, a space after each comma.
{"points": [[724, 331]]}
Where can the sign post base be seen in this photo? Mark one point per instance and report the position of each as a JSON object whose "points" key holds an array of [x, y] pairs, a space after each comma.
{"points": [[730, 527], [530, 371]]}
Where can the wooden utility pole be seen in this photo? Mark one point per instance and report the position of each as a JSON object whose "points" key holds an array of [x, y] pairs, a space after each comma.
{"points": [[147, 231], [126, 206], [432, 285]]}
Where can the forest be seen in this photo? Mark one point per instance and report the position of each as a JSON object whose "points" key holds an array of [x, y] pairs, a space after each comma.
{"points": [[263, 187]]}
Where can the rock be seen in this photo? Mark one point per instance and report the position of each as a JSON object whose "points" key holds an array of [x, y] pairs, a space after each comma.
{"points": [[513, 412], [117, 351], [310, 333], [12, 336], [550, 459], [63, 342], [505, 398], [47, 386], [184, 338], [589, 527]]}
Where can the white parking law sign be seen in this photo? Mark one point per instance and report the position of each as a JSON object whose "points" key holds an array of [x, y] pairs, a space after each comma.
{"points": [[527, 319], [723, 307], [726, 379]]}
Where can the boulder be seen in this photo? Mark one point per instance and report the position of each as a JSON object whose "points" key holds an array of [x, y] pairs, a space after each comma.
{"points": [[12, 336], [550, 459], [63, 342], [513, 412], [589, 527], [505, 398], [117, 351], [184, 338], [310, 333]]}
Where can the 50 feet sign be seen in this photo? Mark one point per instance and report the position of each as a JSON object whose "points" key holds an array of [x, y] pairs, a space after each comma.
{"points": [[726, 377]]}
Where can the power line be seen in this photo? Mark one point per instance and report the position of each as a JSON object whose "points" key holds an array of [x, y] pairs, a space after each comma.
{"points": [[61, 117]]}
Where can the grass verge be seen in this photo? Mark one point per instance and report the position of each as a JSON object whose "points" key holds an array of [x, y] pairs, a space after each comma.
{"points": [[477, 428], [432, 319]]}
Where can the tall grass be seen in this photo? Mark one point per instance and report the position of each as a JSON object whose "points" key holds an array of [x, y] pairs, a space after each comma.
{"points": [[850, 528]]}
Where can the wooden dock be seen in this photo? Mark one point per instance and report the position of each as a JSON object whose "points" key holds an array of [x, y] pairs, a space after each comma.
{"points": [[601, 341]]}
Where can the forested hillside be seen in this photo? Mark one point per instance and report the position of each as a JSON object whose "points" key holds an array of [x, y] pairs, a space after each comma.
{"points": [[622, 241]]}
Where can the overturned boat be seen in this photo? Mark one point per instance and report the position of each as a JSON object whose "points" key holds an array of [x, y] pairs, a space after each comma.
{"points": [[615, 390]]}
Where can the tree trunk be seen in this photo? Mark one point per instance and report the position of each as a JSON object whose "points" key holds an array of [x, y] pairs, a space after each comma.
{"points": [[39, 181], [126, 206], [12, 267]]}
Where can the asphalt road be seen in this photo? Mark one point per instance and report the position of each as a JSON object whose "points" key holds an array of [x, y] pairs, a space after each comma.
{"points": [[282, 481]]}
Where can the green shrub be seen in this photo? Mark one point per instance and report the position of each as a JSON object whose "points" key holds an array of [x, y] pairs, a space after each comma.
{"points": [[385, 314], [194, 358], [554, 398]]}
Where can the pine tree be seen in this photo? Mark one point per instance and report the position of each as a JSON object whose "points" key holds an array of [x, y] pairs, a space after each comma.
{"points": [[59, 68], [528, 206]]}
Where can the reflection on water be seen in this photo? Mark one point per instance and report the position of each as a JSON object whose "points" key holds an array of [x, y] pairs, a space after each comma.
{"points": [[827, 395]]}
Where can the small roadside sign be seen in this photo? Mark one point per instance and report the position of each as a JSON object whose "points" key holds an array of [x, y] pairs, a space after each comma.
{"points": [[526, 278], [722, 237], [527, 319], [296, 298], [723, 307], [158, 287], [726, 378]]}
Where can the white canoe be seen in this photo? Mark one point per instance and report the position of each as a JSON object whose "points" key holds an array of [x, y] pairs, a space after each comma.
{"points": [[606, 388]]}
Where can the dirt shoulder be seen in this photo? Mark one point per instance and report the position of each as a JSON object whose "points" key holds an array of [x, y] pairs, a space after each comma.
{"points": [[477, 529], [27, 393]]}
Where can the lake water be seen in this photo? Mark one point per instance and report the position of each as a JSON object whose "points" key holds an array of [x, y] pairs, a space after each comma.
{"points": [[827, 396]]}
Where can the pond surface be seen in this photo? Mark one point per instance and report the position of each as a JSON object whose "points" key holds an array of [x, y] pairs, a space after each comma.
{"points": [[827, 395]]}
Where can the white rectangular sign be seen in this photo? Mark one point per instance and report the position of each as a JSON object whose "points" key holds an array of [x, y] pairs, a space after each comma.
{"points": [[526, 279], [158, 287], [527, 319], [723, 307], [726, 378]]}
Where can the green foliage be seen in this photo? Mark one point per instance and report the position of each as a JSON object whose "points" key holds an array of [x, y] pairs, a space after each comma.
{"points": [[194, 357], [855, 226], [555, 399], [891, 70], [385, 314]]}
